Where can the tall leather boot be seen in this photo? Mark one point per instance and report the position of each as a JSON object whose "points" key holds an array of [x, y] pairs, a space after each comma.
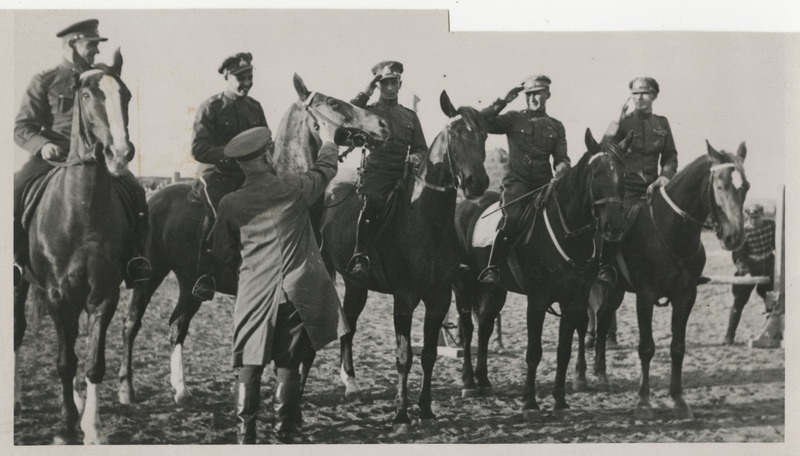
{"points": [[359, 265], [20, 251], [248, 398], [138, 268], [287, 405], [733, 323], [205, 285], [607, 273], [491, 274]]}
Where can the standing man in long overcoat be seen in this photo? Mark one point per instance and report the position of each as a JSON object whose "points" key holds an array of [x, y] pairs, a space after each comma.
{"points": [[287, 306]]}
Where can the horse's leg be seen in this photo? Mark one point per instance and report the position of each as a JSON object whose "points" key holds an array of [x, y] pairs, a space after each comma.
{"points": [[535, 323], [179, 322], [681, 308], [466, 289], [66, 326], [132, 322], [566, 328], [20, 324], [403, 311], [355, 297], [491, 303], [436, 306], [498, 340], [611, 298], [581, 324], [647, 348]]}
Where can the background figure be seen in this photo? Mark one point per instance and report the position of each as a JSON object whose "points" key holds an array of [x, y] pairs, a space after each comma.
{"points": [[591, 333], [286, 307], [756, 257], [218, 120]]}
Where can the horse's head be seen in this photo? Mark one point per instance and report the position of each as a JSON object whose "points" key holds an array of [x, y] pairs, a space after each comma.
{"points": [[728, 186], [101, 114], [607, 184], [359, 125], [462, 144]]}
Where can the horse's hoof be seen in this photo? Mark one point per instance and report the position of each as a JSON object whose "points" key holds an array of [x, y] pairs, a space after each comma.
{"points": [[683, 412], [428, 424], [356, 397], [643, 412], [65, 438], [469, 392], [485, 391], [401, 428], [126, 395], [182, 397], [580, 386], [561, 404], [603, 385], [532, 416], [94, 439]]}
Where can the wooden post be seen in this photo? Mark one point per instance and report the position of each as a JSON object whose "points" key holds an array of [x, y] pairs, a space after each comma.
{"points": [[176, 177], [772, 333]]}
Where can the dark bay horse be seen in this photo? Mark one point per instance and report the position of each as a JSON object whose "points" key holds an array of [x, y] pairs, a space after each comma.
{"points": [[416, 257], [174, 237], [80, 238], [663, 257], [557, 264]]}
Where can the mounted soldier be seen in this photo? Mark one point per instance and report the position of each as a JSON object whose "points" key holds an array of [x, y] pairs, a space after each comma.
{"points": [[384, 166], [43, 127], [218, 120], [533, 137]]}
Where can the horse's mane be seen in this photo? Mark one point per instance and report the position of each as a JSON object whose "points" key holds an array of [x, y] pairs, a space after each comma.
{"points": [[473, 120], [576, 175]]}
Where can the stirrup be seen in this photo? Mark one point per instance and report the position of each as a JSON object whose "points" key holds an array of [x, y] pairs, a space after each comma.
{"points": [[17, 275], [359, 265], [204, 288], [490, 275], [138, 269]]}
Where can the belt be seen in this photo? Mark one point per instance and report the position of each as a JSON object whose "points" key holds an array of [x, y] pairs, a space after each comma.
{"points": [[762, 257]]}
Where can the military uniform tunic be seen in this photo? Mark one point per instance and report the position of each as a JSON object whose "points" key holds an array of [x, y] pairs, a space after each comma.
{"points": [[218, 120], [533, 137], [46, 111], [384, 166], [265, 228]]}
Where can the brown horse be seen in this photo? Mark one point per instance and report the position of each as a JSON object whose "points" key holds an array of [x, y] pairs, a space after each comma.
{"points": [[174, 236], [663, 257], [416, 257], [557, 264], [80, 240]]}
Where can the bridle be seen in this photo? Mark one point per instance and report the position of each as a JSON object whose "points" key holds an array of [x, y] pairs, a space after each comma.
{"points": [[591, 226], [713, 209], [87, 138], [357, 139], [454, 181]]}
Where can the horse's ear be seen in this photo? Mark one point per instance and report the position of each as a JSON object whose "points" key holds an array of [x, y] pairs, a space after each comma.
{"points": [[591, 144], [300, 87], [116, 66], [80, 63], [626, 142], [715, 156], [447, 106], [742, 151]]}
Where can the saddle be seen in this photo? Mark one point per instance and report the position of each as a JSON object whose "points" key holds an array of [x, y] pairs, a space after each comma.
{"points": [[34, 190]]}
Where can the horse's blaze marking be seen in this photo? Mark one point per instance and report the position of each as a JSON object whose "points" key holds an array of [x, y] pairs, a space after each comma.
{"points": [[116, 123], [736, 179]]}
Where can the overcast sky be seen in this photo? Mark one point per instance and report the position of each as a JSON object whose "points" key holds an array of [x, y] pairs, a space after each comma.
{"points": [[724, 87]]}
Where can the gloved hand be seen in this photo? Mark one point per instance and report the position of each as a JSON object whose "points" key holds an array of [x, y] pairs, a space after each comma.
{"points": [[512, 94], [562, 169], [414, 160], [51, 151], [660, 182], [327, 131], [372, 85]]}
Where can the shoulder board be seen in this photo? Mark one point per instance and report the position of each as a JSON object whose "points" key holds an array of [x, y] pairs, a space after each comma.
{"points": [[52, 72]]}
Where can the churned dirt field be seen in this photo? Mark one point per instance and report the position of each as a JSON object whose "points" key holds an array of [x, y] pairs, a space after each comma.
{"points": [[737, 393]]}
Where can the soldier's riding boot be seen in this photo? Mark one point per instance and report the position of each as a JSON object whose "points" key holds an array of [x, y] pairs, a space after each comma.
{"points": [[248, 399], [733, 323], [607, 273], [359, 265], [205, 285], [138, 268], [20, 251], [491, 274], [287, 404]]}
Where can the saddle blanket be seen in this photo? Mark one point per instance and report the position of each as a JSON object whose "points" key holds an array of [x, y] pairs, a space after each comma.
{"points": [[486, 227]]}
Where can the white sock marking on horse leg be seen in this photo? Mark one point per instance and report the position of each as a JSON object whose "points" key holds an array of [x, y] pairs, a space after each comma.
{"points": [[76, 394], [176, 377], [90, 421], [350, 384], [17, 383]]}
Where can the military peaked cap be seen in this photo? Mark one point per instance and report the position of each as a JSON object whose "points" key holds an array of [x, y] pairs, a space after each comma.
{"points": [[83, 30], [536, 83], [388, 69], [236, 64], [644, 85], [248, 144]]}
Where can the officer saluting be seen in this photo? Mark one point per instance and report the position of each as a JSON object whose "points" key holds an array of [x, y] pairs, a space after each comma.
{"points": [[43, 126]]}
